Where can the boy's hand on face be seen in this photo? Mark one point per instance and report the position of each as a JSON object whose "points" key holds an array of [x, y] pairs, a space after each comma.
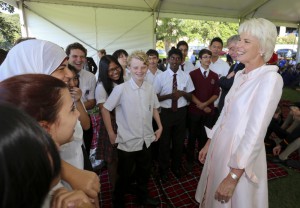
{"points": [[158, 134]]}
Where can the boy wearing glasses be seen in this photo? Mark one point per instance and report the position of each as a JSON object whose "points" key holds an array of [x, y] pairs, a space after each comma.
{"points": [[201, 109], [173, 88]]}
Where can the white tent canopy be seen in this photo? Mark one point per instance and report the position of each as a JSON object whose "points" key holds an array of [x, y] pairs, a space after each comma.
{"points": [[130, 24]]}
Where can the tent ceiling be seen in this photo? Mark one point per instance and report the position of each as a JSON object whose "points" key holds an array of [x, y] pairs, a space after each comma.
{"points": [[281, 12], [130, 24]]}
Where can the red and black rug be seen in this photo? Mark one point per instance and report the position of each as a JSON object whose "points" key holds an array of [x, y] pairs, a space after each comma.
{"points": [[176, 192]]}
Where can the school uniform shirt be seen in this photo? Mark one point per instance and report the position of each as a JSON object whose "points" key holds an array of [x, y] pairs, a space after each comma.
{"points": [[163, 85], [205, 88], [134, 112], [87, 84], [100, 93], [187, 67], [150, 76], [221, 68]]}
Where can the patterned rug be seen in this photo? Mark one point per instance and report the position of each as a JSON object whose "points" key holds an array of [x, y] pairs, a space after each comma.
{"points": [[175, 193]]}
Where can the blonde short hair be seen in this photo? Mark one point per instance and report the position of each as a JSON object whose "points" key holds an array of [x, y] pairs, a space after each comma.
{"points": [[140, 55], [266, 33]]}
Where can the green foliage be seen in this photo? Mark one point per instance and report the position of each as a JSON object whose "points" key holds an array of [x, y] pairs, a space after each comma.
{"points": [[289, 39], [6, 7], [9, 26], [170, 30]]}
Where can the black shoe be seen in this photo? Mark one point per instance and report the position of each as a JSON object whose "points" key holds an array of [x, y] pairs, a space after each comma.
{"points": [[276, 159], [149, 201], [177, 173]]}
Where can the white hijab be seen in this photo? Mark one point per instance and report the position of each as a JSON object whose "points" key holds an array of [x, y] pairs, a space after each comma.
{"points": [[32, 56]]}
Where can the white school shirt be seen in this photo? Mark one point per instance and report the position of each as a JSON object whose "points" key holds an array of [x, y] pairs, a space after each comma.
{"points": [[87, 84], [188, 67], [100, 93], [134, 112], [163, 85], [221, 68], [150, 77]]}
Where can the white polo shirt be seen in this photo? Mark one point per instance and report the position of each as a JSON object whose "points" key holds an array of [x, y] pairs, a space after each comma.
{"points": [[150, 77], [87, 84], [163, 85], [134, 112]]}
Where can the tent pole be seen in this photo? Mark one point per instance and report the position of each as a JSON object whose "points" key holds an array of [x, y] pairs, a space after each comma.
{"points": [[23, 22], [298, 49]]}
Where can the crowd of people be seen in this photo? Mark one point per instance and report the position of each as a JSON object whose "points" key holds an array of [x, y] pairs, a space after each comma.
{"points": [[133, 113]]}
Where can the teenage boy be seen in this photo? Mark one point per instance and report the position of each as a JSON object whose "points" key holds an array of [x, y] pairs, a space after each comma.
{"points": [[87, 81], [201, 109], [135, 103], [153, 71], [173, 88], [185, 65]]}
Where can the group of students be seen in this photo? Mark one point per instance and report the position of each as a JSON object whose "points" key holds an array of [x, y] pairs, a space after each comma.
{"points": [[126, 130], [138, 104]]}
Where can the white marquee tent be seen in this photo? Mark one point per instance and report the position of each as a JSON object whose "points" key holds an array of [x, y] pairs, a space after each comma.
{"points": [[130, 24]]}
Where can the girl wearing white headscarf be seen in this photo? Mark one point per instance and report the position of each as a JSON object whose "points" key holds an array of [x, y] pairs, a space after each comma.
{"points": [[32, 56], [44, 57]]}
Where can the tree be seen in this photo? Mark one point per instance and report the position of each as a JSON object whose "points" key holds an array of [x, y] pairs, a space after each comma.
{"points": [[172, 30], [9, 26], [169, 30]]}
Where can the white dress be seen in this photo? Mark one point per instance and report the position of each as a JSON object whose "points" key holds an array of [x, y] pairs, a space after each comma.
{"points": [[237, 140]]}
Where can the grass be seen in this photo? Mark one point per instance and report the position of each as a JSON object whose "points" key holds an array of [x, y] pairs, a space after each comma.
{"points": [[284, 192], [290, 94]]}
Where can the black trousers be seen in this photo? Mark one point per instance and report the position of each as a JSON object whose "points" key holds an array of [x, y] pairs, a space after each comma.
{"points": [[197, 131], [127, 161], [174, 126]]}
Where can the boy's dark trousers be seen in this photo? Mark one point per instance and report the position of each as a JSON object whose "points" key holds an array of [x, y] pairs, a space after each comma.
{"points": [[127, 161]]}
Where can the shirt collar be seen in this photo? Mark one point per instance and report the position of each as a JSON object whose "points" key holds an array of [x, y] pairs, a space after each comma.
{"points": [[135, 86], [202, 70], [172, 73]]}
